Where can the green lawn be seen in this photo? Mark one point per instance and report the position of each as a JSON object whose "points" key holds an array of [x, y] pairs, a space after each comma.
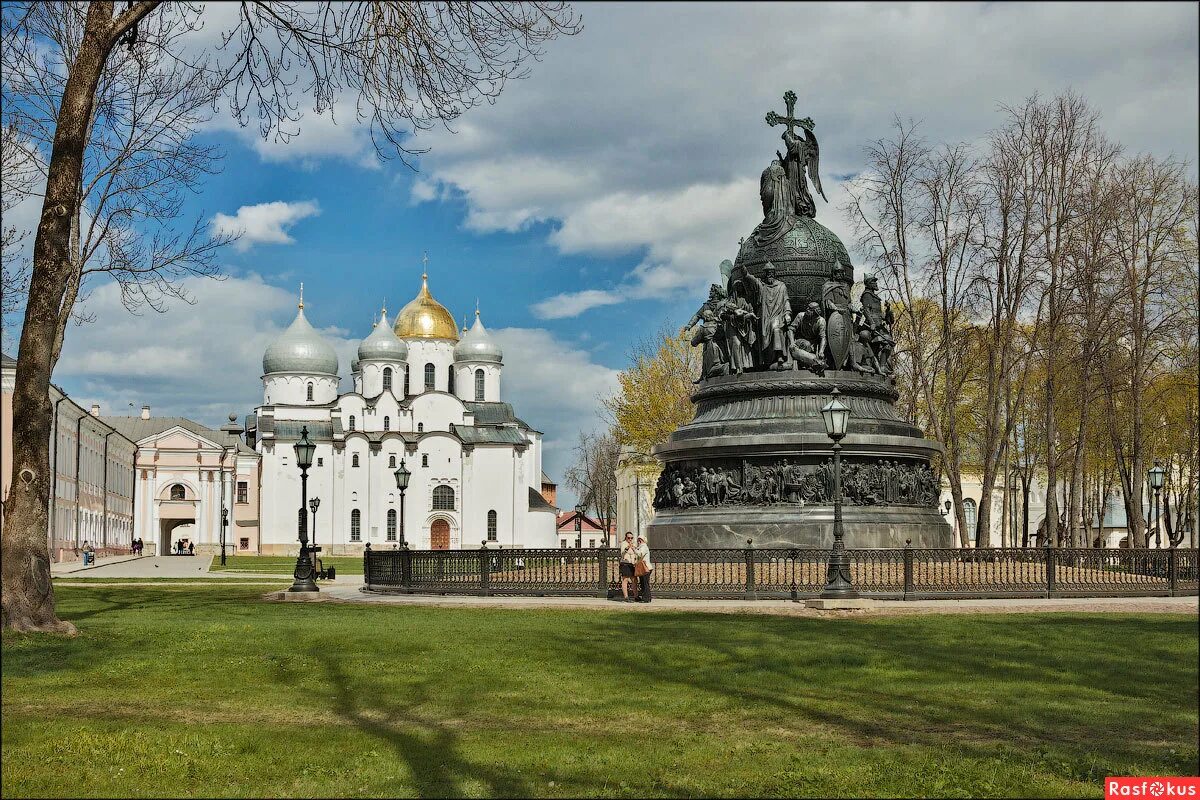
{"points": [[211, 692], [283, 565]]}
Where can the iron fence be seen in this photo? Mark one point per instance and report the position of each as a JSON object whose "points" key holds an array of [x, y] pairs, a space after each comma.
{"points": [[911, 573]]}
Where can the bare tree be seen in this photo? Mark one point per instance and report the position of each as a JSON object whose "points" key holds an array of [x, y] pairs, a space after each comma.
{"points": [[593, 475], [916, 211], [408, 64], [1153, 259]]}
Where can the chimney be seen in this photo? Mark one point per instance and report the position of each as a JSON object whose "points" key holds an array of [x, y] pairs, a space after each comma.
{"points": [[95, 409], [145, 412]]}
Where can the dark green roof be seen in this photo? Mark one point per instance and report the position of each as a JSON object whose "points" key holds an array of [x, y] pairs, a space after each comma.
{"points": [[136, 429]]}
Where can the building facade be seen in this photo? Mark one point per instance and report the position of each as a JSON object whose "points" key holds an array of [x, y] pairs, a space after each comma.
{"points": [[93, 462], [187, 477], [636, 478], [425, 396]]}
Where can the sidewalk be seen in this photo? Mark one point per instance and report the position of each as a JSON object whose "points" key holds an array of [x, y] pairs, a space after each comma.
{"points": [[69, 567], [1156, 605]]}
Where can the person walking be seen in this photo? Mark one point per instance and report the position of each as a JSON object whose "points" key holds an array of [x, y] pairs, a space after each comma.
{"points": [[191, 548], [642, 567], [628, 557]]}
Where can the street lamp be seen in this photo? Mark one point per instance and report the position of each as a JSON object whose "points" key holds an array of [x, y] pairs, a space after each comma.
{"points": [[579, 509], [303, 573], [836, 415], [1157, 476], [313, 505], [224, 525], [402, 476]]}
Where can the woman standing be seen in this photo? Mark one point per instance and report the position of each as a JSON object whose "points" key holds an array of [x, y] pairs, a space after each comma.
{"points": [[642, 569], [628, 557]]}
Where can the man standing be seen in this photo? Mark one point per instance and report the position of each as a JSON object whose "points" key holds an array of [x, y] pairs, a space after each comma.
{"points": [[774, 315]]}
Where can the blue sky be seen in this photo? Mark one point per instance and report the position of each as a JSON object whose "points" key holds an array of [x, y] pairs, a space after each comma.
{"points": [[592, 203]]}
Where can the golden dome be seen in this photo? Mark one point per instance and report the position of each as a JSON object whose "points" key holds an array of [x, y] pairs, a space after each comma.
{"points": [[425, 318]]}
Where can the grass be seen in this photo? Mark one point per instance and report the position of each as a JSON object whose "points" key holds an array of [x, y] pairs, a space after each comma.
{"points": [[283, 565], [209, 691]]}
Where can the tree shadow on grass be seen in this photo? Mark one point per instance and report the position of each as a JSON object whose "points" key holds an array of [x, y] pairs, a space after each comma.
{"points": [[980, 684], [426, 744]]}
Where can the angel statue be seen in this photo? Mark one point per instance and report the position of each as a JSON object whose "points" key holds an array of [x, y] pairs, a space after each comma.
{"points": [[802, 158]]}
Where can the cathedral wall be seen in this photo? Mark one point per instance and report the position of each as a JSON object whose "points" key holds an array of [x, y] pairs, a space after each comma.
{"points": [[464, 384], [440, 353], [371, 380], [437, 411], [490, 487], [291, 388]]}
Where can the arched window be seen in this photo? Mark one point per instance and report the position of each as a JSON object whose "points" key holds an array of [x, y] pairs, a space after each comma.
{"points": [[450, 379], [420, 427], [387, 379], [354, 460], [391, 525], [356, 525], [443, 498], [351, 422], [310, 394], [177, 492], [387, 423], [406, 393], [969, 511], [491, 526], [479, 386], [429, 376], [424, 459], [391, 462]]}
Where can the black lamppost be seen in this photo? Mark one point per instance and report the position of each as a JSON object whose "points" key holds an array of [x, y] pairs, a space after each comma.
{"points": [[303, 573], [1157, 475], [836, 415], [402, 476], [579, 509], [224, 525], [313, 505]]}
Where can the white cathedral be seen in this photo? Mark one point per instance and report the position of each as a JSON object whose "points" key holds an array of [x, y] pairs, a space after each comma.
{"points": [[424, 395]]}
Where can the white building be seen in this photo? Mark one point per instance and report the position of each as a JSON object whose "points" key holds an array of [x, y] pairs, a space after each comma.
{"points": [[423, 396]]}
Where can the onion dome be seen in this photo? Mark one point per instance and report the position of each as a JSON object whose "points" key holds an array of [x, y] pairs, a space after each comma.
{"points": [[382, 344], [300, 349], [425, 318], [477, 345]]}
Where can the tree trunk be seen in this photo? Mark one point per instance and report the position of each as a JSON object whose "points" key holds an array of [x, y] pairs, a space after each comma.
{"points": [[27, 593]]}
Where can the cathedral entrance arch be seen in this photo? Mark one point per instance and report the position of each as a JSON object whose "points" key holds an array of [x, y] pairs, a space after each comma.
{"points": [[439, 535]]}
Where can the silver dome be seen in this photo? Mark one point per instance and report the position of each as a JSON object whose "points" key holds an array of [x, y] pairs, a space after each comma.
{"points": [[300, 349], [477, 345], [382, 344]]}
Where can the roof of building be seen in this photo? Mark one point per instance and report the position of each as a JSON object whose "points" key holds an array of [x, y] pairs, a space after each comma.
{"points": [[382, 344], [565, 522], [136, 429], [538, 503], [7, 361], [300, 349], [471, 434], [546, 479], [477, 345], [425, 318], [496, 413]]}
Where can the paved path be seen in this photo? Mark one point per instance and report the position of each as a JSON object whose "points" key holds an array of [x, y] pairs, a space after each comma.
{"points": [[351, 593], [153, 567]]}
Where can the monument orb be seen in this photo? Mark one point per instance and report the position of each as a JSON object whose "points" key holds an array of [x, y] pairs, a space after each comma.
{"points": [[778, 336]]}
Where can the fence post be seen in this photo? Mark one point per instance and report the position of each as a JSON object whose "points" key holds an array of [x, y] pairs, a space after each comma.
{"points": [[908, 569], [367, 564], [406, 567], [1051, 584], [749, 553], [1172, 571], [485, 569], [602, 564]]}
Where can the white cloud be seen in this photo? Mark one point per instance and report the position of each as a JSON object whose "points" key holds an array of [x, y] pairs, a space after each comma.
{"points": [[634, 141], [265, 223], [554, 387], [201, 360]]}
